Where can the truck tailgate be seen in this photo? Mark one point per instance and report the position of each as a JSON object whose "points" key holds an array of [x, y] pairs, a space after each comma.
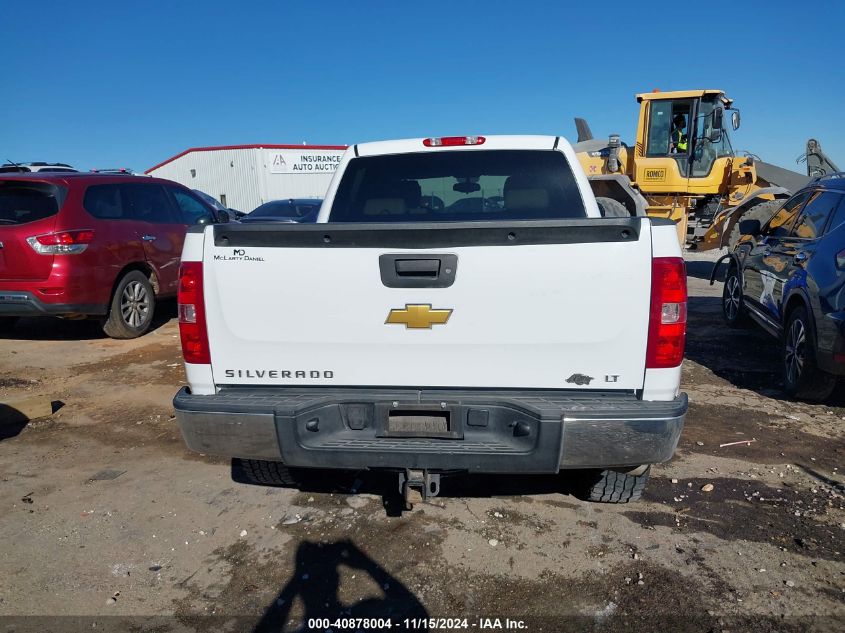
{"points": [[553, 304]]}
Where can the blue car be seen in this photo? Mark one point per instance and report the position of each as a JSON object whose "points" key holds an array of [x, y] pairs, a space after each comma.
{"points": [[291, 210], [787, 274], [234, 214]]}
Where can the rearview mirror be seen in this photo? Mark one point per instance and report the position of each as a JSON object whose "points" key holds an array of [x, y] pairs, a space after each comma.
{"points": [[716, 121], [718, 118], [223, 217], [735, 119], [749, 227]]}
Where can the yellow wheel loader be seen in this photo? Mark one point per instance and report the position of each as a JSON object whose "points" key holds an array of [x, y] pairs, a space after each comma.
{"points": [[682, 167]]}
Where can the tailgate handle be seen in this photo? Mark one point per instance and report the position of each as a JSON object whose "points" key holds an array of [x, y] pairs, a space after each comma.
{"points": [[409, 270], [418, 267]]}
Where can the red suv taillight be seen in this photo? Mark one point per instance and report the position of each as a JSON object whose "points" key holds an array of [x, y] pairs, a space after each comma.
{"points": [[192, 328], [667, 324], [61, 242]]}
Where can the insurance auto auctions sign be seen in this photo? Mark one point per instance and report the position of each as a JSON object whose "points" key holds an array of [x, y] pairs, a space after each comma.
{"points": [[286, 161]]}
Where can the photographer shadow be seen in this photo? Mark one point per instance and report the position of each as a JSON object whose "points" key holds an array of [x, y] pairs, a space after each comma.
{"points": [[316, 585]]}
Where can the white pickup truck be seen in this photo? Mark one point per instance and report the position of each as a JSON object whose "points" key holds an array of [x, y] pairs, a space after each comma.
{"points": [[461, 306]]}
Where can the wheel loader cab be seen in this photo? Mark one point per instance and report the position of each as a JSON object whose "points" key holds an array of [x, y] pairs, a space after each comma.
{"points": [[682, 144], [682, 163]]}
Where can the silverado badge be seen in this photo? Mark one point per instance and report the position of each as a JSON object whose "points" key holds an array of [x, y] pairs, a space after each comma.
{"points": [[418, 316]]}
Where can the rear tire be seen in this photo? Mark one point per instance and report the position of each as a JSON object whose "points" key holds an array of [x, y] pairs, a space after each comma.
{"points": [[266, 473], [762, 211], [611, 208], [733, 308], [7, 323], [616, 485], [802, 377], [132, 307]]}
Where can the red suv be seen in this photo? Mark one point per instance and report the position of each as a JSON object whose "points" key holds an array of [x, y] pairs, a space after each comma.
{"points": [[86, 244]]}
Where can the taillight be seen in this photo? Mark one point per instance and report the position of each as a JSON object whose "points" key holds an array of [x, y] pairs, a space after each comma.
{"points": [[61, 242], [452, 141], [668, 314], [192, 327]]}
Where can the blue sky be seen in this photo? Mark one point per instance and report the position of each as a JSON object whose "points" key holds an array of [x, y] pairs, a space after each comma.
{"points": [[130, 84]]}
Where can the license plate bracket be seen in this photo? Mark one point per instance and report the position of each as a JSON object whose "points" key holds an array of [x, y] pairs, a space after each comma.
{"points": [[421, 421]]}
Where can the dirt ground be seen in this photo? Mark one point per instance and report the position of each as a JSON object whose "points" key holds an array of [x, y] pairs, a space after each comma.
{"points": [[109, 523]]}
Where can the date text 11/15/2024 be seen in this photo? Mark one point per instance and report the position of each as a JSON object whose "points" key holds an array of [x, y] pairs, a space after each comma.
{"points": [[416, 624]]}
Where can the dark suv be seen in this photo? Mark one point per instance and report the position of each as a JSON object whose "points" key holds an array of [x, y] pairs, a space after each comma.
{"points": [[788, 275], [83, 244]]}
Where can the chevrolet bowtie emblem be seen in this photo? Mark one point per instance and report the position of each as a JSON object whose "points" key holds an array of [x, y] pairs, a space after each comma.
{"points": [[418, 316]]}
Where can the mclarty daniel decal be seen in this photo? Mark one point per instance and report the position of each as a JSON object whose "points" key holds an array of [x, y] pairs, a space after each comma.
{"points": [[237, 255]]}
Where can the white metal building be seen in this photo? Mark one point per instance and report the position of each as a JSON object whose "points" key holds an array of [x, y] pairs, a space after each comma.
{"points": [[244, 176]]}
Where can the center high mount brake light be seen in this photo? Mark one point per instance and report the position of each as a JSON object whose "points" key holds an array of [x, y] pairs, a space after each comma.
{"points": [[453, 141]]}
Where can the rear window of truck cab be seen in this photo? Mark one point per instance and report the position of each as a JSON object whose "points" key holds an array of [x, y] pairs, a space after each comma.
{"points": [[22, 202], [458, 186]]}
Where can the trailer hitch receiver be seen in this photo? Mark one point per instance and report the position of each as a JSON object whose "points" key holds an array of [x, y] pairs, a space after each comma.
{"points": [[416, 486]]}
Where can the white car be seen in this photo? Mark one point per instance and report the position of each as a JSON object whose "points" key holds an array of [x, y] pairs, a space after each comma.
{"points": [[461, 306], [35, 167]]}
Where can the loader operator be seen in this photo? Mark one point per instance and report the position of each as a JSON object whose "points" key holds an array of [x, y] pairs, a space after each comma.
{"points": [[679, 137]]}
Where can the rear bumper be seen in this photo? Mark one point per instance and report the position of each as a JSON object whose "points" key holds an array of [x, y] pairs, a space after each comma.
{"points": [[492, 431], [22, 303]]}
